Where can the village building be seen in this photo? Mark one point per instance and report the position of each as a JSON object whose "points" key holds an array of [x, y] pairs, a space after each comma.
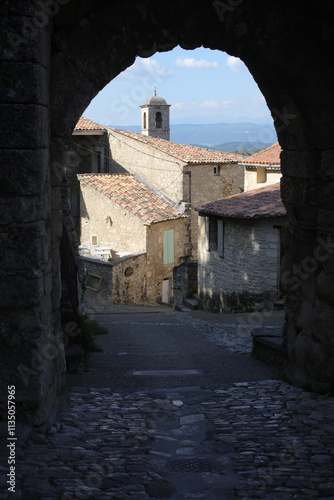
{"points": [[131, 239], [89, 151], [239, 251], [186, 176], [178, 175], [262, 168]]}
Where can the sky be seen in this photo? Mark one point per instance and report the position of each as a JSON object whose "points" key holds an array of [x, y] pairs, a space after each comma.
{"points": [[202, 86]]}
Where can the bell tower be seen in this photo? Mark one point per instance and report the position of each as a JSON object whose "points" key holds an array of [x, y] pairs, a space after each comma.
{"points": [[155, 117]]}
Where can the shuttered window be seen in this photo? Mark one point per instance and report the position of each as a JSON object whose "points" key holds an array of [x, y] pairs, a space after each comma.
{"points": [[220, 237], [168, 247], [214, 235]]}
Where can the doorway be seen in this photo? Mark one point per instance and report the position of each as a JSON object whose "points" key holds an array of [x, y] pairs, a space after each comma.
{"points": [[166, 290]]}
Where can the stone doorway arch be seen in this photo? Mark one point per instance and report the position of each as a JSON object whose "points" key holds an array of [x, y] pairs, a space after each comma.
{"points": [[58, 54]]}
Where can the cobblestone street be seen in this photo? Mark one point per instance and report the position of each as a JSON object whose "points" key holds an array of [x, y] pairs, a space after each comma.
{"points": [[173, 435]]}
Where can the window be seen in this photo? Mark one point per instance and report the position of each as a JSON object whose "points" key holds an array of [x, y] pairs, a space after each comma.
{"points": [[214, 229], [94, 240], [97, 160], [220, 237], [216, 170], [144, 121], [158, 119], [168, 251], [261, 174]]}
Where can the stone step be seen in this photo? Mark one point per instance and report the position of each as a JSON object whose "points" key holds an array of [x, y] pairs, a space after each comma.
{"points": [[279, 304], [268, 345], [191, 303], [182, 308]]}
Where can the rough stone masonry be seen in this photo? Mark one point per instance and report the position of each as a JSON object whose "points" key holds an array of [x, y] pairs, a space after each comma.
{"points": [[55, 56]]}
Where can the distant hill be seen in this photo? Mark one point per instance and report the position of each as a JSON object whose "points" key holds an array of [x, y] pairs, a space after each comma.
{"points": [[247, 148], [244, 135]]}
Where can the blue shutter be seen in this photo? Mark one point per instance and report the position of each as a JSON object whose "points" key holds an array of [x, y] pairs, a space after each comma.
{"points": [[169, 247]]}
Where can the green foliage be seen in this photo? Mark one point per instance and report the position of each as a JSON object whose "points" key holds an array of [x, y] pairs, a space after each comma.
{"points": [[89, 330]]}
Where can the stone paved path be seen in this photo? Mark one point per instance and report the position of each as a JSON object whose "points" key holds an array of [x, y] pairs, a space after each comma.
{"points": [[253, 439]]}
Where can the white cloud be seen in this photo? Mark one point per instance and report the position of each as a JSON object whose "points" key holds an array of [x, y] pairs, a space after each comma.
{"points": [[143, 68], [153, 67], [235, 64], [210, 104], [253, 108], [179, 105], [190, 62]]}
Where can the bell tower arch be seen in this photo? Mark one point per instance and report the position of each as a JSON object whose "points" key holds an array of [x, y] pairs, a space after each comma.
{"points": [[155, 117]]}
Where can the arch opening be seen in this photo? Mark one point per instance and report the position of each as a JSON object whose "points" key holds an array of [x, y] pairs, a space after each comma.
{"points": [[275, 44], [68, 60]]}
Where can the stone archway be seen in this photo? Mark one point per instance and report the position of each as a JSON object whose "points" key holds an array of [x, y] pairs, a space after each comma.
{"points": [[68, 50]]}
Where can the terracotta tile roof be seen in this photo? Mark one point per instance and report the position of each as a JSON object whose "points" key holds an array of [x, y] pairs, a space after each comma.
{"points": [[133, 195], [268, 156], [258, 203], [188, 154], [85, 124]]}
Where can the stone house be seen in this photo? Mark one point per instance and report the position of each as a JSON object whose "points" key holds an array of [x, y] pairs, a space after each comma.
{"points": [[240, 251], [262, 168], [132, 235], [89, 151], [185, 176]]}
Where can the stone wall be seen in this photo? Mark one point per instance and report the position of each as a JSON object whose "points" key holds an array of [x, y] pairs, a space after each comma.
{"points": [[138, 279], [246, 278], [155, 167], [185, 281], [150, 118], [251, 178], [51, 72], [157, 271], [123, 281], [32, 353], [82, 147], [207, 186], [113, 225]]}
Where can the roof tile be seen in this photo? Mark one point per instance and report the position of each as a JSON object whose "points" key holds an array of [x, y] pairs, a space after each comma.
{"points": [[133, 195], [188, 154], [268, 156], [258, 203], [86, 124]]}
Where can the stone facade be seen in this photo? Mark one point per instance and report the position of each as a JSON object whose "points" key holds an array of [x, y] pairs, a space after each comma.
{"points": [[208, 183], [185, 281], [138, 279], [155, 117], [256, 177], [123, 230], [111, 225], [123, 281], [89, 153], [155, 167], [51, 73], [157, 271], [247, 276], [185, 183]]}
